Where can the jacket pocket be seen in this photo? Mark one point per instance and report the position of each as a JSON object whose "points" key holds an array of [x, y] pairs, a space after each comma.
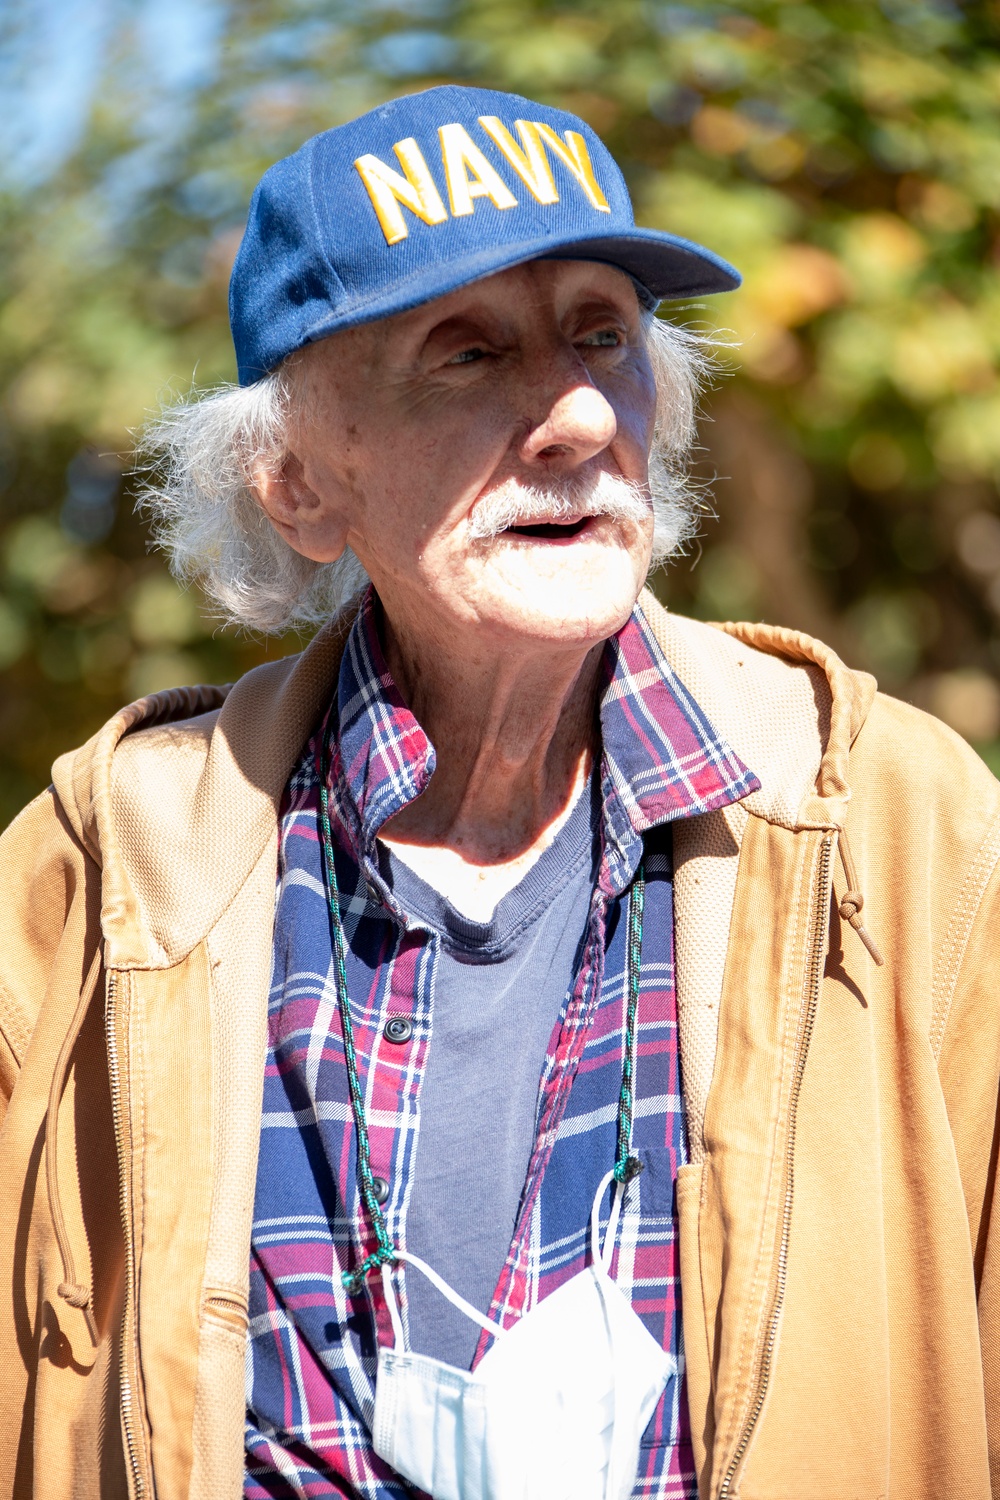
{"points": [[225, 1309], [657, 1196], [220, 1398]]}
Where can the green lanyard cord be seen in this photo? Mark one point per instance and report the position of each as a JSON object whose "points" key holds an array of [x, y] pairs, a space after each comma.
{"points": [[626, 1165], [384, 1253]]}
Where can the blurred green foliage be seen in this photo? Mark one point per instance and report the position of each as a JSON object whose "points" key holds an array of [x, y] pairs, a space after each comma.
{"points": [[845, 155]]}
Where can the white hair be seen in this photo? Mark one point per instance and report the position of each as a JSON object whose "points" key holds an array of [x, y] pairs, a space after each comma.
{"points": [[197, 457]]}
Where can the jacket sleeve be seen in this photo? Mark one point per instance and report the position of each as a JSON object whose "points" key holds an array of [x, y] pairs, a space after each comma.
{"points": [[969, 1064], [49, 891]]}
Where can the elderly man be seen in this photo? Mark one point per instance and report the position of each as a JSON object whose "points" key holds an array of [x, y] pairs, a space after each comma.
{"points": [[555, 1127]]}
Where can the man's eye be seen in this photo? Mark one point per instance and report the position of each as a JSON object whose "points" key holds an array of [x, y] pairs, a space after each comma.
{"points": [[604, 338], [467, 356]]}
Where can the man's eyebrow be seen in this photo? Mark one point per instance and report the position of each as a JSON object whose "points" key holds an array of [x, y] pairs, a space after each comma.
{"points": [[603, 302], [599, 306], [476, 321]]}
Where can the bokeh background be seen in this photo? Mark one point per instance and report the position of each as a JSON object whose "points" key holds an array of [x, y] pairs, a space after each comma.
{"points": [[845, 155]]}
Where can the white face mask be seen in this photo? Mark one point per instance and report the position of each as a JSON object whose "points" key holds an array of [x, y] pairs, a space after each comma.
{"points": [[555, 1409]]}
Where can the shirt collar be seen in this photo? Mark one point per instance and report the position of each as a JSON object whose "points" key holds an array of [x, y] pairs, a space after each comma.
{"points": [[662, 759]]}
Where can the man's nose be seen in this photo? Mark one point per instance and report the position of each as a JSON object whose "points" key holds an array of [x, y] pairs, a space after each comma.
{"points": [[579, 423]]}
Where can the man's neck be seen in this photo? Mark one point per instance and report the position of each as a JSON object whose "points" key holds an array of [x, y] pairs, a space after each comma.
{"points": [[515, 743]]}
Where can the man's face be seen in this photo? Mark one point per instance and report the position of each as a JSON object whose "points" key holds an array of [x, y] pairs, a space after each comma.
{"points": [[406, 430]]}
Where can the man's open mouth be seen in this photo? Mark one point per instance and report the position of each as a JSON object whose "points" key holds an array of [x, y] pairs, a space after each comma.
{"points": [[551, 531]]}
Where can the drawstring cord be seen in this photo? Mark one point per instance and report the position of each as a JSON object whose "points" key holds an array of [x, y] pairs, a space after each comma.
{"points": [[852, 901], [626, 1166], [76, 1293]]}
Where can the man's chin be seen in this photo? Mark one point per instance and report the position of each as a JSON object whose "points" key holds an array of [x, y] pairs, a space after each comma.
{"points": [[585, 597]]}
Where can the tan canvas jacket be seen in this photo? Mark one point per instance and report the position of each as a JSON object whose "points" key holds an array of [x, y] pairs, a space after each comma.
{"points": [[840, 1279]]}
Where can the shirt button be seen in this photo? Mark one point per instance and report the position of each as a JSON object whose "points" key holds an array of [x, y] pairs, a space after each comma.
{"points": [[397, 1029], [381, 1189]]}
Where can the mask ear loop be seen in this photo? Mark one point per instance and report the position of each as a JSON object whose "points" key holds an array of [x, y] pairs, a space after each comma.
{"points": [[601, 1258], [389, 1292], [457, 1301], [600, 1255]]}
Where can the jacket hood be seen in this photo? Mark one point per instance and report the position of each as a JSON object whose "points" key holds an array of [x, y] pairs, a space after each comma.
{"points": [[786, 703], [177, 796]]}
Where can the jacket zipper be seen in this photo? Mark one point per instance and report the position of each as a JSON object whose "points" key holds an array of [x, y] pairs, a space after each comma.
{"points": [[127, 1393], [817, 954]]}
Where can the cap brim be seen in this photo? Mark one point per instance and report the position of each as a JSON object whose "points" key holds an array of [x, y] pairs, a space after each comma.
{"points": [[669, 267]]}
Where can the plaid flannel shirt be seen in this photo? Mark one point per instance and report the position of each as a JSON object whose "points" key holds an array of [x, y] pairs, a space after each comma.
{"points": [[313, 1346]]}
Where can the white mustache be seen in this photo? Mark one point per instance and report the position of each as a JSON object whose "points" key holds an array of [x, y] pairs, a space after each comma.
{"points": [[568, 499]]}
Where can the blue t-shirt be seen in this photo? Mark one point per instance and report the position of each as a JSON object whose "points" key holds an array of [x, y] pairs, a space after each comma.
{"points": [[499, 990]]}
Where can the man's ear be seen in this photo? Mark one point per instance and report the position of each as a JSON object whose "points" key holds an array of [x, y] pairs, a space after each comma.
{"points": [[300, 516]]}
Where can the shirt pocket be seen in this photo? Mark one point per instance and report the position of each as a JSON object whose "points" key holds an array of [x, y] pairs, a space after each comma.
{"points": [[657, 1182]]}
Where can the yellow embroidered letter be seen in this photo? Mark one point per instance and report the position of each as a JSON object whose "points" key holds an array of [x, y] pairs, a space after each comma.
{"points": [[533, 162], [459, 153], [530, 163], [387, 190]]}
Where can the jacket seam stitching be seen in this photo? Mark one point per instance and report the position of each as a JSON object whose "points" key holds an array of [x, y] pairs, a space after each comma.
{"points": [[801, 932], [745, 1385], [12, 1027], [807, 869], [956, 940], [213, 962], [138, 1155], [702, 1212], [170, 960]]}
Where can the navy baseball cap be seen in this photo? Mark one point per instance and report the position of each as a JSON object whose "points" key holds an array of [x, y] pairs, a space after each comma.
{"points": [[425, 194]]}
